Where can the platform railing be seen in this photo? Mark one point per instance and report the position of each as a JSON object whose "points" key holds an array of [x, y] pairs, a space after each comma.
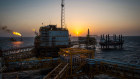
{"points": [[17, 50], [32, 64], [112, 68]]}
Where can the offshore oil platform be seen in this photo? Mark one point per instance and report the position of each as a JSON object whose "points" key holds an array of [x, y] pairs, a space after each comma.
{"points": [[51, 52], [90, 41], [106, 42]]}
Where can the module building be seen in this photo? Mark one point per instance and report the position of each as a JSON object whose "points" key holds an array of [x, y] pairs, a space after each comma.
{"points": [[51, 39]]}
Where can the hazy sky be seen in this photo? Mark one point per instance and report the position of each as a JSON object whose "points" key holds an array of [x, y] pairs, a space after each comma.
{"points": [[101, 16]]}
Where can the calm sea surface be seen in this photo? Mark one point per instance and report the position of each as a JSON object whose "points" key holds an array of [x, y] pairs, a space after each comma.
{"points": [[5, 42], [130, 52]]}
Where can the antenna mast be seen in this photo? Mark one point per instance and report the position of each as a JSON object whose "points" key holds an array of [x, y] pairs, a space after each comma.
{"points": [[62, 14]]}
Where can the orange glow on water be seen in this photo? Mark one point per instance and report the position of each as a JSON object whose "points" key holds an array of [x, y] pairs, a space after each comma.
{"points": [[17, 43]]}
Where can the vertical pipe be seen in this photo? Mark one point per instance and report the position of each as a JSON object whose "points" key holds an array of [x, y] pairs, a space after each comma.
{"points": [[101, 40], [115, 37], [121, 38], [101, 36], [71, 61], [1, 56], [119, 41], [115, 40], [106, 41]]}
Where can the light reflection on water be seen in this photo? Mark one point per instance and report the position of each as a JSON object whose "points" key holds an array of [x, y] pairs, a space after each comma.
{"points": [[17, 43]]}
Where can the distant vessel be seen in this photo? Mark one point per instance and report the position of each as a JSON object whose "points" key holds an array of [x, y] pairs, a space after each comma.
{"points": [[50, 40]]}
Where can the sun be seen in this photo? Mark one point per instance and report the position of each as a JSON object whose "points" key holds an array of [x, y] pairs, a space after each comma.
{"points": [[77, 33]]}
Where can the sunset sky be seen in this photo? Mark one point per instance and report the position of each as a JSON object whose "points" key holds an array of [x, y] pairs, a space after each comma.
{"points": [[101, 16]]}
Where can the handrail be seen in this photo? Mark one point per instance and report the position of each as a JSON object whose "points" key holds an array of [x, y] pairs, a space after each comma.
{"points": [[47, 76], [17, 48], [58, 75]]}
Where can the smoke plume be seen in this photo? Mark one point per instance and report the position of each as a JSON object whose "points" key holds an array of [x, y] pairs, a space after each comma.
{"points": [[5, 28]]}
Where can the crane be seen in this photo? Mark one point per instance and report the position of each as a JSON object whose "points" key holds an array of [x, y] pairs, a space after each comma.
{"points": [[62, 14]]}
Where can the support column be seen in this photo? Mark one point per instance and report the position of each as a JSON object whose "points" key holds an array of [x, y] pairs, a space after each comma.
{"points": [[1, 63]]}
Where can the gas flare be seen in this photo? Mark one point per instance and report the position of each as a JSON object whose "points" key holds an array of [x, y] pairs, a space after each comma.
{"points": [[16, 33]]}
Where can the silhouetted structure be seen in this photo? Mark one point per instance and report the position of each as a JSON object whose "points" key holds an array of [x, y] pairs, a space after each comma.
{"points": [[106, 42], [88, 40]]}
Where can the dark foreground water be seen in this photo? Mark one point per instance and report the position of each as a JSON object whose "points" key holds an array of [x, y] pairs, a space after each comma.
{"points": [[130, 53]]}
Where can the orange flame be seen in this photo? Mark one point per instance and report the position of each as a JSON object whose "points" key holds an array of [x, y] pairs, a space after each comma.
{"points": [[16, 33]]}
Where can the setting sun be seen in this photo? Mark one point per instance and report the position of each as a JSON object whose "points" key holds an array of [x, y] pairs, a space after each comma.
{"points": [[77, 33]]}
